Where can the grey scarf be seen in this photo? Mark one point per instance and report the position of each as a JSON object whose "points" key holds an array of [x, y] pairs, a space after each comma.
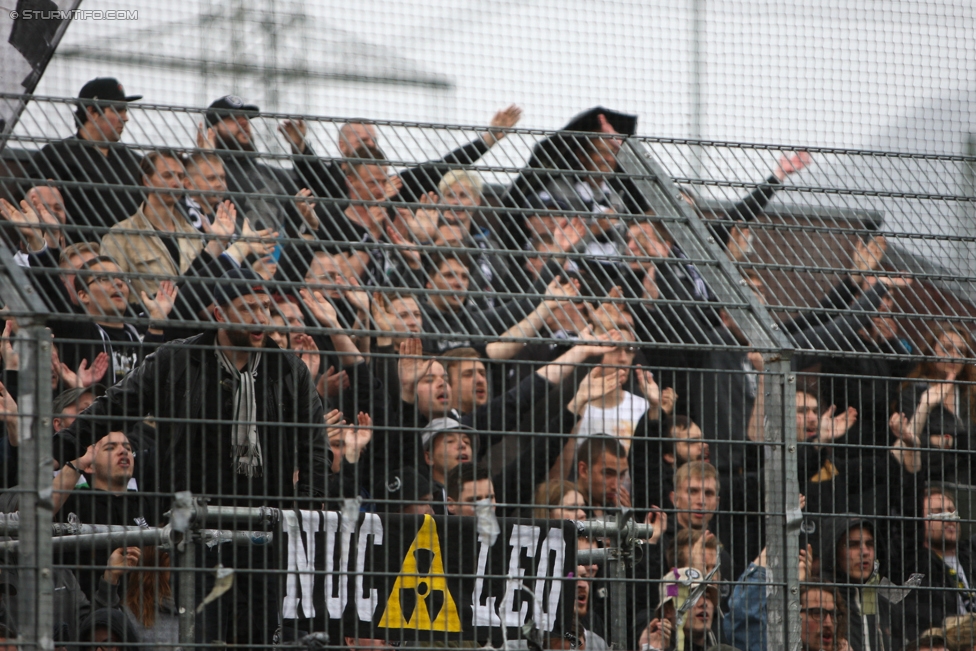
{"points": [[246, 450]]}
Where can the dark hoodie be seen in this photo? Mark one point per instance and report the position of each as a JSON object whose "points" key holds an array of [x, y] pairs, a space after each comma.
{"points": [[123, 634], [870, 618]]}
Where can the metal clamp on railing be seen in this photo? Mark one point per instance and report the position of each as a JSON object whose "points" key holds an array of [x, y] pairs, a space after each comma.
{"points": [[609, 528], [263, 515], [624, 537]]}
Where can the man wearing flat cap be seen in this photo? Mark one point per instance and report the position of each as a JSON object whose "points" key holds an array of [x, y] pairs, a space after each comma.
{"points": [[94, 155], [238, 420]]}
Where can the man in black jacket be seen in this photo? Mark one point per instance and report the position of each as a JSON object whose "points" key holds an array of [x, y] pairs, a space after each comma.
{"points": [[230, 134], [95, 155], [947, 562], [237, 419]]}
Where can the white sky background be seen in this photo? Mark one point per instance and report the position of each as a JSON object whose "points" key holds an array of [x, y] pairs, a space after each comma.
{"points": [[833, 73], [876, 74]]}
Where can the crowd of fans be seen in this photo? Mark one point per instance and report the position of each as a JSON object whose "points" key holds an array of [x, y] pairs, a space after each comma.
{"points": [[294, 336]]}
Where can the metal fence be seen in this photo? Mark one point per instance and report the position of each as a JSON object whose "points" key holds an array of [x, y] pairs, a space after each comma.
{"points": [[316, 383]]}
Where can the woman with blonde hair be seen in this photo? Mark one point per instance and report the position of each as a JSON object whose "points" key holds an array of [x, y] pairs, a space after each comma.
{"points": [[558, 499]]}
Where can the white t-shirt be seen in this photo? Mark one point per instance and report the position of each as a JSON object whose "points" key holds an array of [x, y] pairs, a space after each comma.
{"points": [[619, 421]]}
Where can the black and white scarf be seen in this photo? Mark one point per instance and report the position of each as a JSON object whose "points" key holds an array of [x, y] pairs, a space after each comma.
{"points": [[246, 450]]}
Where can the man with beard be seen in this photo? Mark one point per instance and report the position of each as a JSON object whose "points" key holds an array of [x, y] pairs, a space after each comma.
{"points": [[947, 563], [237, 420], [231, 134], [822, 619]]}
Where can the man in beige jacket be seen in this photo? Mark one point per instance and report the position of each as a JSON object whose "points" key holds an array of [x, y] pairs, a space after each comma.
{"points": [[158, 242]]}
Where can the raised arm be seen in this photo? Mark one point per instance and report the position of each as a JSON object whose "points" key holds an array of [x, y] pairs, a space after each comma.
{"points": [[534, 322], [424, 177]]}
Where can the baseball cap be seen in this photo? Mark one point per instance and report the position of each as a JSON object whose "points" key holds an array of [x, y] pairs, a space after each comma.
{"points": [[408, 485], [684, 579], [439, 425], [227, 106], [106, 89], [69, 397], [236, 283]]}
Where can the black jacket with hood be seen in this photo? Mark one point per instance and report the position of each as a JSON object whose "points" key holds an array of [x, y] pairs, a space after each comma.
{"points": [[874, 623]]}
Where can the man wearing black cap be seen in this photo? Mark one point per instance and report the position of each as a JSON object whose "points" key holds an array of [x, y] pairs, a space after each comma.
{"points": [[230, 132], [94, 155], [236, 419]]}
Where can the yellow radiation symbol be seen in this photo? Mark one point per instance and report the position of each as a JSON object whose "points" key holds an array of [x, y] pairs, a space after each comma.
{"points": [[420, 599]]}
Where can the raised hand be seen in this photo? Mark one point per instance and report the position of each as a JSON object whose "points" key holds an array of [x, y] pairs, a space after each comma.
{"points": [[331, 383], [792, 164], [657, 635], [868, 256], [120, 559], [260, 243], [623, 497], [357, 297], [649, 283], [9, 414], [320, 308], [160, 307], [657, 519], [901, 427], [206, 137], [89, 376], [939, 392], [506, 118], [11, 360], [393, 186], [833, 427], [354, 440], [332, 419], [294, 132], [411, 367], [26, 221], [650, 389], [308, 351], [668, 400], [560, 289], [806, 563], [224, 223], [599, 382], [410, 253], [383, 319], [306, 208], [569, 233], [591, 344], [697, 551]]}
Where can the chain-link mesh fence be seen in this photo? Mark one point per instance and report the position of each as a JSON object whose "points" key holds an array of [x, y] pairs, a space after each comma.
{"points": [[356, 400]]}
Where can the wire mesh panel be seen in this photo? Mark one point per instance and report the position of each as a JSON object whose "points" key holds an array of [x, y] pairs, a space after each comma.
{"points": [[356, 384]]}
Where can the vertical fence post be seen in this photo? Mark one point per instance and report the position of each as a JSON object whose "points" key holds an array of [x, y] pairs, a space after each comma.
{"points": [[186, 560], [782, 507], [35, 578]]}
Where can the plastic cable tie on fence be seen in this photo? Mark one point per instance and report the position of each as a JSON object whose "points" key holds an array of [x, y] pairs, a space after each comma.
{"points": [[794, 519], [895, 594], [350, 513], [488, 527], [181, 514], [225, 579]]}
